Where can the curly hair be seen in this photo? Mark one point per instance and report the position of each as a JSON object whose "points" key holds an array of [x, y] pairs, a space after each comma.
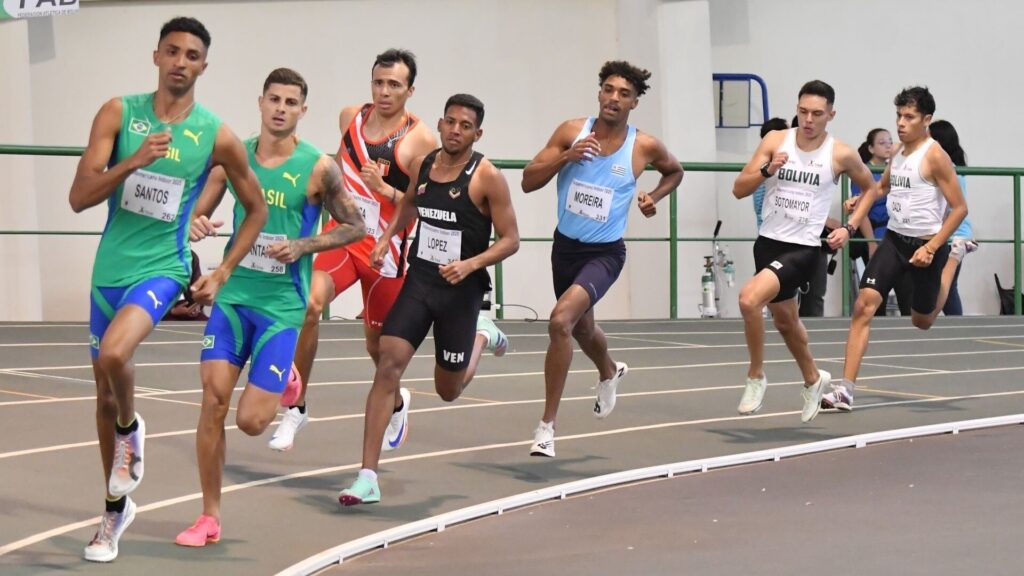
{"points": [[638, 77]]}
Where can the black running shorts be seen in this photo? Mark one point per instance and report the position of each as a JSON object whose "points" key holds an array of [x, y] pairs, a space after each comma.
{"points": [[451, 310], [793, 264], [892, 260]]}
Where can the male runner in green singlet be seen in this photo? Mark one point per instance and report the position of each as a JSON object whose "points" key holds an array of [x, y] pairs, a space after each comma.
{"points": [[148, 157], [259, 311]]}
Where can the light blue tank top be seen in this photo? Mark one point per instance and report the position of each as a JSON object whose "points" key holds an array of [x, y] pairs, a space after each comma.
{"points": [[964, 229], [594, 196]]}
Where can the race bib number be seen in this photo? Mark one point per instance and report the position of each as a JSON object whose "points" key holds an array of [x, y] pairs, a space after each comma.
{"points": [[794, 204], [153, 195], [896, 204], [438, 245], [370, 209], [589, 201], [257, 258]]}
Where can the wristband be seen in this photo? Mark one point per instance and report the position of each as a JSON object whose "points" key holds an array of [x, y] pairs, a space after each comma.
{"points": [[764, 169]]}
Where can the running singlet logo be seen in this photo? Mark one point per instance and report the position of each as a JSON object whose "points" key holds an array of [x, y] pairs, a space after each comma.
{"points": [[278, 371], [799, 176], [156, 302], [454, 357], [140, 127], [293, 179], [192, 135]]}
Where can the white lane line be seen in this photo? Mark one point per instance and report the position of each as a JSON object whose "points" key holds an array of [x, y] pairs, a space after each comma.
{"points": [[505, 403], [26, 394], [42, 536], [198, 334], [876, 365], [198, 341], [541, 352], [545, 335], [83, 325], [16, 372], [681, 344], [91, 383], [838, 359], [961, 321]]}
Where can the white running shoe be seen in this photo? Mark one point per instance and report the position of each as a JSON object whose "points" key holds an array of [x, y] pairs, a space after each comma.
{"points": [[127, 471], [812, 396], [544, 440], [292, 421], [839, 398], [398, 427], [753, 395], [606, 391], [961, 247], [497, 342], [103, 547]]}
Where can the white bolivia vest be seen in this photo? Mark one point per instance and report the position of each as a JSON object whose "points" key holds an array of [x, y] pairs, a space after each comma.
{"points": [[916, 206], [798, 196]]}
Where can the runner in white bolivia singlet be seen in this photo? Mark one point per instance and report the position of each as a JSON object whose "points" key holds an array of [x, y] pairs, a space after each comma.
{"points": [[800, 168], [921, 183]]}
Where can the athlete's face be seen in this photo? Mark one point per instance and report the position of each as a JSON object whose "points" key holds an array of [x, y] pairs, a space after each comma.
{"points": [[458, 129], [390, 88], [814, 114], [911, 124], [181, 59], [281, 108], [617, 98]]}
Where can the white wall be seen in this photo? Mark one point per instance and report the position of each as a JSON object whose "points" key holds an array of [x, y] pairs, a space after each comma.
{"points": [[533, 62], [965, 52], [19, 283]]}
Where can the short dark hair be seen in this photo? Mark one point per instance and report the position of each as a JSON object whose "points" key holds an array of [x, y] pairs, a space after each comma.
{"points": [[186, 24], [819, 88], [917, 96], [638, 77], [287, 77], [772, 125], [393, 56], [469, 101]]}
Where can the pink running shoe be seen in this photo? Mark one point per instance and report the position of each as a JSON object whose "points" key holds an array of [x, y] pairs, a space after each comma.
{"points": [[292, 389], [205, 531]]}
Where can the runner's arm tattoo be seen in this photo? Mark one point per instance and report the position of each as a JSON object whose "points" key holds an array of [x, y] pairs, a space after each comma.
{"points": [[340, 205]]}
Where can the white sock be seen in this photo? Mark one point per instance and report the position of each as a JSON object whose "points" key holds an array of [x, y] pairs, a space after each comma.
{"points": [[368, 474]]}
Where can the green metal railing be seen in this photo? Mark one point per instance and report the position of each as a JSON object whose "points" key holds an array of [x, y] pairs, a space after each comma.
{"points": [[673, 237]]}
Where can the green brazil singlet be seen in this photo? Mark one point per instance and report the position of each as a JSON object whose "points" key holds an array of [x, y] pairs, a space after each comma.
{"points": [[148, 216], [277, 290]]}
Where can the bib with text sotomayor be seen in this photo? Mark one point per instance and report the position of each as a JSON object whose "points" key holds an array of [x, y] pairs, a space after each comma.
{"points": [[795, 204], [257, 258], [439, 245], [153, 195], [589, 201], [370, 209]]}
